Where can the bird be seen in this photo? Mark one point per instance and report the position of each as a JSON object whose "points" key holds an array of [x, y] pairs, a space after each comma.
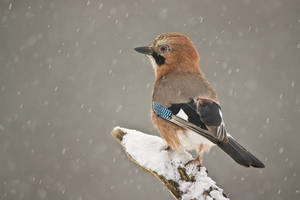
{"points": [[181, 89]]}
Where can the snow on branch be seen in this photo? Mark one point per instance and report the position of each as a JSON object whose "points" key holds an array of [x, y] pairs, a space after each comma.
{"points": [[151, 153]]}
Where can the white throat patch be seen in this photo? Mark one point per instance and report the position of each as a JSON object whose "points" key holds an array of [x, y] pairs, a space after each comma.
{"points": [[152, 60]]}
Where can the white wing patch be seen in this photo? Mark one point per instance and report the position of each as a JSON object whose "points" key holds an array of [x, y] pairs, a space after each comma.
{"points": [[221, 130], [221, 114], [182, 115]]}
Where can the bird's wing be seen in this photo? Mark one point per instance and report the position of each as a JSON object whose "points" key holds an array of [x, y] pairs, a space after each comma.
{"points": [[204, 117], [203, 113]]}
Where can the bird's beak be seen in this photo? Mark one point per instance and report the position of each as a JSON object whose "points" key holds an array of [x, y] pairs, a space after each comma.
{"points": [[144, 50]]}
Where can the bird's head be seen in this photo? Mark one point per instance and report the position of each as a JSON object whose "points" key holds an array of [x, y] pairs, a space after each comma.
{"points": [[171, 52]]}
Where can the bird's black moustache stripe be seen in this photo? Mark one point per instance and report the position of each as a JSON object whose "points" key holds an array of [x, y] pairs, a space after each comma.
{"points": [[160, 60]]}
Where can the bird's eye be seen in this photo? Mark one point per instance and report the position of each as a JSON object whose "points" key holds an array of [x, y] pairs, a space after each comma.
{"points": [[164, 48]]}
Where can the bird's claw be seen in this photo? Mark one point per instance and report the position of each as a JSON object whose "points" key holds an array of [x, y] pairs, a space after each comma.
{"points": [[196, 161]]}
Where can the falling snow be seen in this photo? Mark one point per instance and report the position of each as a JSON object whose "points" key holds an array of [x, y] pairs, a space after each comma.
{"points": [[293, 84], [281, 150], [10, 6], [163, 13], [68, 74]]}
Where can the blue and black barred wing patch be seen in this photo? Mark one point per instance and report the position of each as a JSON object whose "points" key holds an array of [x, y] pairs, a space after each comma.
{"points": [[162, 111]]}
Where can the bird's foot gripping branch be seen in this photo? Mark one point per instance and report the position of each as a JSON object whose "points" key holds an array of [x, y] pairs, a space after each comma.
{"points": [[152, 154]]}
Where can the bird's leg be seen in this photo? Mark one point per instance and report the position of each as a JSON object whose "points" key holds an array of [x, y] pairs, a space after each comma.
{"points": [[201, 149], [198, 159]]}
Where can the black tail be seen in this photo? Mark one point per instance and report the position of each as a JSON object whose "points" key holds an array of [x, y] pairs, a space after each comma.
{"points": [[240, 154]]}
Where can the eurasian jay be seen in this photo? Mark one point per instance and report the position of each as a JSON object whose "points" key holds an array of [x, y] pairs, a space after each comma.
{"points": [[185, 108]]}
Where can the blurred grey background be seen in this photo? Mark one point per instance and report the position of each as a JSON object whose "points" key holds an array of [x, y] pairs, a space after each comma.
{"points": [[69, 74]]}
